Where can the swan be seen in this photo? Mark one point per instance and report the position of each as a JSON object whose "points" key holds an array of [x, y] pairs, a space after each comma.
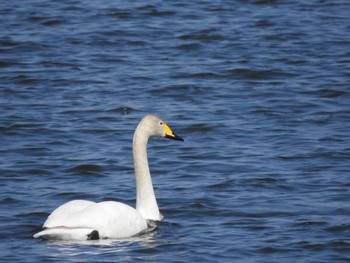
{"points": [[86, 220]]}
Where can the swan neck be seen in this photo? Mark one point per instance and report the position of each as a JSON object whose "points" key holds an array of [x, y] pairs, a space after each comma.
{"points": [[146, 203]]}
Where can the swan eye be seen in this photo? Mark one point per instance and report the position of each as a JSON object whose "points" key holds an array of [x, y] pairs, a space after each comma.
{"points": [[161, 123]]}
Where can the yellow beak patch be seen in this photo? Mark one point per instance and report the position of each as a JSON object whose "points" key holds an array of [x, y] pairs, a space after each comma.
{"points": [[170, 134]]}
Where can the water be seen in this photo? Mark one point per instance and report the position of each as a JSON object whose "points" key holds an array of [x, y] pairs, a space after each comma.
{"points": [[259, 90]]}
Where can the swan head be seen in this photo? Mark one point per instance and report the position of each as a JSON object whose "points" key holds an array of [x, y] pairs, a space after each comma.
{"points": [[156, 127]]}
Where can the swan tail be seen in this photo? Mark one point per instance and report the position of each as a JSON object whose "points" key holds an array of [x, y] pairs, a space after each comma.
{"points": [[65, 233]]}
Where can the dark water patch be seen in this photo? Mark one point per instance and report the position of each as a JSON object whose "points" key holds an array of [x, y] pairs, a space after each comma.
{"points": [[197, 75], [222, 185], [264, 23], [137, 43], [116, 60], [184, 88], [9, 200], [175, 89], [122, 110], [24, 46], [120, 13], [189, 47], [35, 18], [206, 35], [339, 228], [33, 214], [8, 42], [266, 214], [58, 143], [295, 61], [5, 64], [60, 64], [262, 2], [277, 249], [95, 131], [53, 22], [310, 223], [159, 13], [269, 182], [74, 195], [183, 92], [87, 169], [340, 245], [26, 80], [197, 205], [37, 172], [200, 127], [260, 74], [328, 93], [313, 246]]}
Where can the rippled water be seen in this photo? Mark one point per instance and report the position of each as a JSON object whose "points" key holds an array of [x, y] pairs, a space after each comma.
{"points": [[258, 89]]}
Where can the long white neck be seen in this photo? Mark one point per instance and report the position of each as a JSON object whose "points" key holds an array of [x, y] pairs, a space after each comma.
{"points": [[146, 203]]}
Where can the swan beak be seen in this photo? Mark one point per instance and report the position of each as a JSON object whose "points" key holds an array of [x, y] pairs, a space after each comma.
{"points": [[170, 134]]}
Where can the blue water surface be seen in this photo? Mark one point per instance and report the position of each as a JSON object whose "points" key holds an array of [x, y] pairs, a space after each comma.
{"points": [[259, 90]]}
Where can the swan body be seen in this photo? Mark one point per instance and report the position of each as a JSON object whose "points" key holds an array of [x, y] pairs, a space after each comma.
{"points": [[86, 220]]}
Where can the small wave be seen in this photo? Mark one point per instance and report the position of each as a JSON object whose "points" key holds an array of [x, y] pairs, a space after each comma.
{"points": [[122, 110], [259, 74], [87, 169], [53, 22], [203, 36]]}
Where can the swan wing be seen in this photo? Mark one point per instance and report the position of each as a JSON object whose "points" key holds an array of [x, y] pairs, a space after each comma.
{"points": [[77, 220], [65, 212]]}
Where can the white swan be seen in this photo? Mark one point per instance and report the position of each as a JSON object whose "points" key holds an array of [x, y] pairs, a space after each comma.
{"points": [[86, 220]]}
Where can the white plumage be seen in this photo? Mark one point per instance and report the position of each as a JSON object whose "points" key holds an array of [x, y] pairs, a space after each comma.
{"points": [[83, 220]]}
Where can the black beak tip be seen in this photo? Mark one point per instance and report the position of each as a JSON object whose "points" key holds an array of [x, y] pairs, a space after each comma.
{"points": [[178, 138], [175, 137]]}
